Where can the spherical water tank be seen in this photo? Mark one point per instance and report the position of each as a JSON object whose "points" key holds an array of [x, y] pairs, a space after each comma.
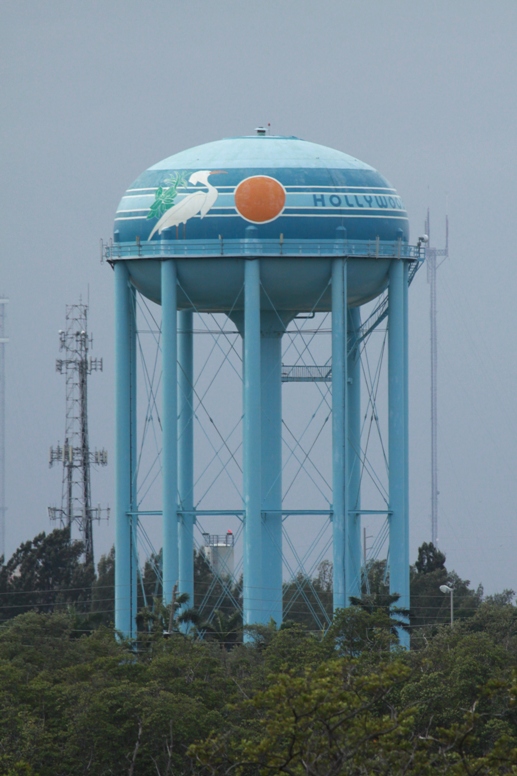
{"points": [[295, 204]]}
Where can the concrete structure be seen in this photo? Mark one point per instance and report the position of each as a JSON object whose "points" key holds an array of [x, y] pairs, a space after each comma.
{"points": [[218, 550]]}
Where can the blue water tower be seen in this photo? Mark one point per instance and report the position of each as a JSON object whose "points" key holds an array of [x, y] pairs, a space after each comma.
{"points": [[262, 228]]}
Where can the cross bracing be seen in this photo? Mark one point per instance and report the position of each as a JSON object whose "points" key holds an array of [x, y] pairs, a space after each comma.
{"points": [[218, 469]]}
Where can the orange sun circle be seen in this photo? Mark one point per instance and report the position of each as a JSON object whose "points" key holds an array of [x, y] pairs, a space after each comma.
{"points": [[259, 199]]}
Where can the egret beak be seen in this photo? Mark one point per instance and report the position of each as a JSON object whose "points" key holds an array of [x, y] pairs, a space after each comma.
{"points": [[218, 172]]}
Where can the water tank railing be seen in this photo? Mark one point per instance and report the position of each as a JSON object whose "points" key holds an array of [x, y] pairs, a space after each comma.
{"points": [[156, 249], [219, 540]]}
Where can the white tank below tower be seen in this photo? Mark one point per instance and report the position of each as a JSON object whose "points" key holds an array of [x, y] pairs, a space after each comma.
{"points": [[218, 550]]}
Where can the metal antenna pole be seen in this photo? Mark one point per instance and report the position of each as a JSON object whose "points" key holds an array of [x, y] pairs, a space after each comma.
{"points": [[76, 456], [3, 341], [432, 255]]}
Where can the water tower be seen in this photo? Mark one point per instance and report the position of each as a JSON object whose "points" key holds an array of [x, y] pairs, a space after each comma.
{"points": [[263, 229]]}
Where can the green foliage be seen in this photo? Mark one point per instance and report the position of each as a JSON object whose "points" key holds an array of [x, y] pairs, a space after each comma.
{"points": [[43, 574], [331, 720], [290, 701], [165, 620], [88, 704], [213, 594], [498, 621], [376, 582], [430, 559], [293, 647], [189, 697], [501, 599], [225, 629], [357, 631], [466, 600], [429, 606], [451, 671], [309, 601], [164, 198], [103, 589]]}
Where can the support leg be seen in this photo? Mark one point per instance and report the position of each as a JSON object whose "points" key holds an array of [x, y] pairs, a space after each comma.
{"points": [[125, 454], [169, 428], [353, 550], [134, 462], [339, 428], [271, 411], [186, 453], [398, 437], [252, 592]]}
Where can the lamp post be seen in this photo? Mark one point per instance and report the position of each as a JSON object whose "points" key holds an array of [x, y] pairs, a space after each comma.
{"points": [[447, 589]]}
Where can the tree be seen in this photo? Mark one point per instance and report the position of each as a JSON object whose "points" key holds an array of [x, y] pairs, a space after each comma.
{"points": [[357, 631], [429, 606], [212, 592], [376, 580], [44, 574], [226, 629], [461, 686], [309, 601], [290, 702], [92, 705], [103, 589], [333, 720], [501, 599], [430, 559], [294, 647]]}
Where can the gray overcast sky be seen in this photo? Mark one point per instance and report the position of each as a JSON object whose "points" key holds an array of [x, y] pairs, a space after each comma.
{"points": [[95, 92]]}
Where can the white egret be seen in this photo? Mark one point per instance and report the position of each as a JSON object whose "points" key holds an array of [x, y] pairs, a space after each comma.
{"points": [[198, 202]]}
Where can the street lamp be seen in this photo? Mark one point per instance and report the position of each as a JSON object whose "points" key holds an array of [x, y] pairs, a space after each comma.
{"points": [[447, 589]]}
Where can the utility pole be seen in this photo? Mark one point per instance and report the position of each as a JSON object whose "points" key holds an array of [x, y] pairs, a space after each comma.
{"points": [[3, 342], [432, 255], [75, 454]]}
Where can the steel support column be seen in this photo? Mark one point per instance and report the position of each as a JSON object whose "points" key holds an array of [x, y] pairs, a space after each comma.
{"points": [[339, 429], [169, 428], [125, 454], [398, 436], [253, 608], [186, 453], [134, 458], [271, 436], [353, 548]]}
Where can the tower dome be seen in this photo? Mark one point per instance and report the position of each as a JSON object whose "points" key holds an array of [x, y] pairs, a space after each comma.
{"points": [[296, 204]]}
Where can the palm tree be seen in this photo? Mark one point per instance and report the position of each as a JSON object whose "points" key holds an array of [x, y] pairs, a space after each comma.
{"points": [[226, 629]]}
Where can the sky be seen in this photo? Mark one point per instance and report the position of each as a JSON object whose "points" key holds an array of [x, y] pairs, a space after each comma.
{"points": [[94, 92]]}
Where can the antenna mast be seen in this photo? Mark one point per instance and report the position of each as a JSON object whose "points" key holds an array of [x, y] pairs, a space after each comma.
{"points": [[432, 255], [3, 342], [75, 455]]}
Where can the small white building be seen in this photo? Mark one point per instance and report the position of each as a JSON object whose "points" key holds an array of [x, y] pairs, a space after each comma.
{"points": [[218, 551]]}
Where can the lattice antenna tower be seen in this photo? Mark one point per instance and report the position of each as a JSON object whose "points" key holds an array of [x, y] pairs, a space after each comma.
{"points": [[75, 455], [434, 258], [3, 342]]}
